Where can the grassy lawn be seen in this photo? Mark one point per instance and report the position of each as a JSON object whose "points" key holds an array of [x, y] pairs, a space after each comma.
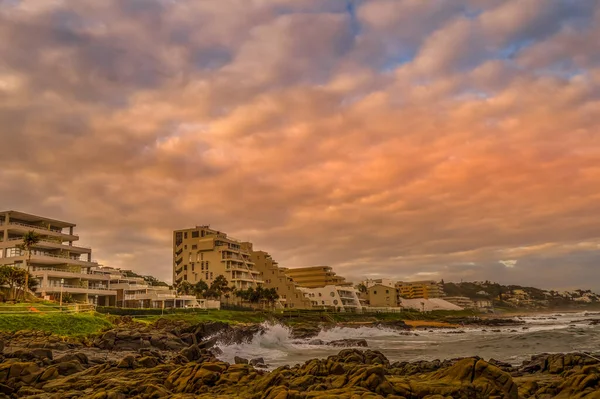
{"points": [[61, 324]]}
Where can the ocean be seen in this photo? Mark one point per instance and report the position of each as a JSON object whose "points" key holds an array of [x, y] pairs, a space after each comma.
{"points": [[544, 333]]}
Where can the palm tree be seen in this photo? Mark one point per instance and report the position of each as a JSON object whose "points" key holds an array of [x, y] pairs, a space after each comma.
{"points": [[30, 239]]}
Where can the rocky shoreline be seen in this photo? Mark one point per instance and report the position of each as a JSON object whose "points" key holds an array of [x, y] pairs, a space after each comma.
{"points": [[172, 359]]}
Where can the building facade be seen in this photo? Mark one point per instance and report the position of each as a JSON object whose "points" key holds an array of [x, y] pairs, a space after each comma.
{"points": [[461, 301], [57, 262], [315, 276], [290, 296], [420, 289], [201, 253], [332, 297], [383, 296]]}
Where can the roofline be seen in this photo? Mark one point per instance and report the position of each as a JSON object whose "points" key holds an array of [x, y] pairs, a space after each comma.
{"points": [[56, 222]]}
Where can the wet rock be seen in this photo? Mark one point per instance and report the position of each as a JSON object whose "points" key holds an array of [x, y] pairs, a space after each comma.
{"points": [[257, 361], [317, 342], [240, 360], [1, 346], [349, 343]]}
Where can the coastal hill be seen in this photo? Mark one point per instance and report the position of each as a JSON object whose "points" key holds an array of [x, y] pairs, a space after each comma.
{"points": [[520, 296]]}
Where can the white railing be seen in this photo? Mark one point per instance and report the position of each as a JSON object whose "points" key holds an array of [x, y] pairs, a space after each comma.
{"points": [[42, 287], [55, 269]]}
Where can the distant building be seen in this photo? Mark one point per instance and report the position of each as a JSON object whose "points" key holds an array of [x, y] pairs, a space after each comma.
{"points": [[420, 289], [428, 305], [383, 296], [461, 301], [338, 298], [202, 253], [315, 276], [290, 296]]}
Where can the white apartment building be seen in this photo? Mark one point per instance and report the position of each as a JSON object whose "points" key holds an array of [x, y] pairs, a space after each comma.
{"points": [[57, 262], [340, 298]]}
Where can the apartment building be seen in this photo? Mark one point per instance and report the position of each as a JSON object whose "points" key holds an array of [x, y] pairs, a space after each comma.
{"points": [[315, 276], [202, 253], [290, 296], [383, 296], [332, 297], [57, 262], [378, 281], [420, 289]]}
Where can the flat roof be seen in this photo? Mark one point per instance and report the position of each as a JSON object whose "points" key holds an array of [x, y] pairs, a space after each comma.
{"points": [[28, 217]]}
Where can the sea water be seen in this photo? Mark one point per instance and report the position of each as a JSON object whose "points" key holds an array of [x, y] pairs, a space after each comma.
{"points": [[549, 333]]}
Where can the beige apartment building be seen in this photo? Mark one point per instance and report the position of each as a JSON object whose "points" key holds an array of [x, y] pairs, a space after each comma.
{"points": [[316, 276], [383, 296], [57, 262], [202, 253], [290, 296], [419, 289]]}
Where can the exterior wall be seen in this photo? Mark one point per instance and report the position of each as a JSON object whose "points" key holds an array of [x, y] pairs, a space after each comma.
{"points": [[274, 277], [419, 289], [383, 296], [202, 253], [315, 276], [341, 298]]}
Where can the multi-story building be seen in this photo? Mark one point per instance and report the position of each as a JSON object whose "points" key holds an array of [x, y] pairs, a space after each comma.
{"points": [[315, 276], [383, 296], [381, 281], [57, 262], [201, 253], [462, 301], [338, 298], [420, 289], [290, 296]]}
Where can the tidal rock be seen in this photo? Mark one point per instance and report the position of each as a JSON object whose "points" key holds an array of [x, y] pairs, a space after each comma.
{"points": [[349, 343], [240, 360], [257, 361]]}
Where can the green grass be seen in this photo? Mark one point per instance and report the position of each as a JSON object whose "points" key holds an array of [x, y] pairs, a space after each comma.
{"points": [[81, 324]]}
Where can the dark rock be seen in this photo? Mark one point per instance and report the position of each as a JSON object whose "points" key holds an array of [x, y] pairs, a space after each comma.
{"points": [[317, 342], [257, 361], [240, 360], [349, 343], [1, 346], [128, 362]]}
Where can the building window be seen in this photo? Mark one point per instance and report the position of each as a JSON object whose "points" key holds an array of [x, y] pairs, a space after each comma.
{"points": [[206, 265], [192, 267], [185, 277], [387, 291], [322, 302], [190, 257], [201, 265], [332, 294], [374, 292], [201, 256], [320, 294], [194, 246], [211, 275], [195, 234], [185, 246], [185, 235], [207, 275]]}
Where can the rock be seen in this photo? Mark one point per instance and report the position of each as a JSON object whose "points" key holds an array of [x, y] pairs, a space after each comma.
{"points": [[317, 342], [349, 343], [78, 357], [240, 360], [1, 346], [6, 390], [128, 362], [257, 361]]}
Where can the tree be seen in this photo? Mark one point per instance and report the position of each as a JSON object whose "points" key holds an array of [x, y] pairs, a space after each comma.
{"points": [[16, 278], [200, 289], [362, 288], [219, 286], [271, 296], [30, 239], [185, 288]]}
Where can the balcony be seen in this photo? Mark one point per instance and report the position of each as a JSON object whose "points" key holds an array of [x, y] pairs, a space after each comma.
{"points": [[48, 258], [74, 289], [40, 230], [65, 273]]}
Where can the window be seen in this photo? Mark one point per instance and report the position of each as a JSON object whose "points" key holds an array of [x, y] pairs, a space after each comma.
{"points": [[320, 294], [185, 277], [190, 257], [322, 302], [195, 234], [374, 292], [335, 301], [211, 275], [184, 267], [194, 246], [387, 291], [201, 256], [201, 265], [185, 235], [185, 246], [192, 267], [332, 294], [206, 265], [207, 275]]}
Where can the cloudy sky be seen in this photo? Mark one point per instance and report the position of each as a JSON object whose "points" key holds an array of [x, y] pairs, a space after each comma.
{"points": [[387, 138]]}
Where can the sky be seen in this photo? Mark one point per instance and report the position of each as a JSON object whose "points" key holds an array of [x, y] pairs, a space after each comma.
{"points": [[399, 139]]}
